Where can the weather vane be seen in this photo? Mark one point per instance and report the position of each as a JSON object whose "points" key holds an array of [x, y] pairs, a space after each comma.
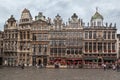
{"points": [[96, 9]]}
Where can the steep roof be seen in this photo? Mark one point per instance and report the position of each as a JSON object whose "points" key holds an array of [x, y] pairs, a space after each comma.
{"points": [[25, 11], [97, 15]]}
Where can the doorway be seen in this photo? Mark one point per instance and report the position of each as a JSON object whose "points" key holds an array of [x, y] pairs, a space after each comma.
{"points": [[39, 62], [100, 61], [1, 60]]}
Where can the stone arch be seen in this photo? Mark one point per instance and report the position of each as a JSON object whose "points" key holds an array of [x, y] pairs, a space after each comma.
{"points": [[100, 60]]}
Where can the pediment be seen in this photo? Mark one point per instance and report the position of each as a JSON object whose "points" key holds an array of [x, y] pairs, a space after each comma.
{"points": [[39, 22]]}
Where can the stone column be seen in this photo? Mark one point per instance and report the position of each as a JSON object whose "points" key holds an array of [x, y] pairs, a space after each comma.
{"points": [[74, 51], [111, 47], [14, 34], [107, 47], [31, 60], [111, 35], [97, 47], [22, 35], [26, 35], [88, 35], [92, 47], [25, 59], [11, 34], [88, 46], [92, 34], [116, 47], [83, 47], [106, 35], [18, 59], [102, 47], [37, 49]]}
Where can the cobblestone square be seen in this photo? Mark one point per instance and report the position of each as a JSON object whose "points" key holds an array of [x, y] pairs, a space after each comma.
{"points": [[57, 74]]}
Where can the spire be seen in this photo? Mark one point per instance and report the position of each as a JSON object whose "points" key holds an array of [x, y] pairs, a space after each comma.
{"points": [[97, 19], [11, 19], [96, 9], [11, 16], [74, 16], [58, 16]]}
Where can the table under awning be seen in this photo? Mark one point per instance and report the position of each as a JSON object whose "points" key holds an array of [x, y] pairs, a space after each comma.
{"points": [[90, 58], [74, 59], [109, 59]]}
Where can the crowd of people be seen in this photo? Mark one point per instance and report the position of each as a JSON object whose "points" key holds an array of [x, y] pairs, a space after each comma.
{"points": [[105, 66], [114, 66]]}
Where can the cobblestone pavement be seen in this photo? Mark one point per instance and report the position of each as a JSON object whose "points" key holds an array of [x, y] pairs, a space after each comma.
{"points": [[57, 74]]}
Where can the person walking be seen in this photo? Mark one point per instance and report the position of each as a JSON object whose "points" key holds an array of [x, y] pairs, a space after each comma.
{"points": [[113, 66], [117, 67], [37, 66], [22, 66], [104, 66]]}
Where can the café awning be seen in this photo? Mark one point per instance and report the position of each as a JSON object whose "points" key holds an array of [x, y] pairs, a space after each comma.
{"points": [[110, 59], [90, 58], [74, 59]]}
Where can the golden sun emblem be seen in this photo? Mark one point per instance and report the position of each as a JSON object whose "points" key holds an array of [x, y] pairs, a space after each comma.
{"points": [[100, 34]]}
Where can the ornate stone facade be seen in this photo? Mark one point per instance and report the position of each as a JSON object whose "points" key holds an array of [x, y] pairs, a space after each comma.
{"points": [[40, 40], [74, 40], [46, 41], [10, 42], [100, 41], [1, 47], [57, 40], [118, 46], [24, 38]]}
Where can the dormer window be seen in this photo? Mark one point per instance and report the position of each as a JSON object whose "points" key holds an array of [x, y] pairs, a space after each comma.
{"points": [[11, 21], [98, 23]]}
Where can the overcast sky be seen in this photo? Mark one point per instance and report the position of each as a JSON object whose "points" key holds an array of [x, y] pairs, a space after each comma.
{"points": [[110, 9]]}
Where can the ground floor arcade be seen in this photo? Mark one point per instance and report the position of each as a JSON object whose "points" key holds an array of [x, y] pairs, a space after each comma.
{"points": [[86, 61], [39, 60]]}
